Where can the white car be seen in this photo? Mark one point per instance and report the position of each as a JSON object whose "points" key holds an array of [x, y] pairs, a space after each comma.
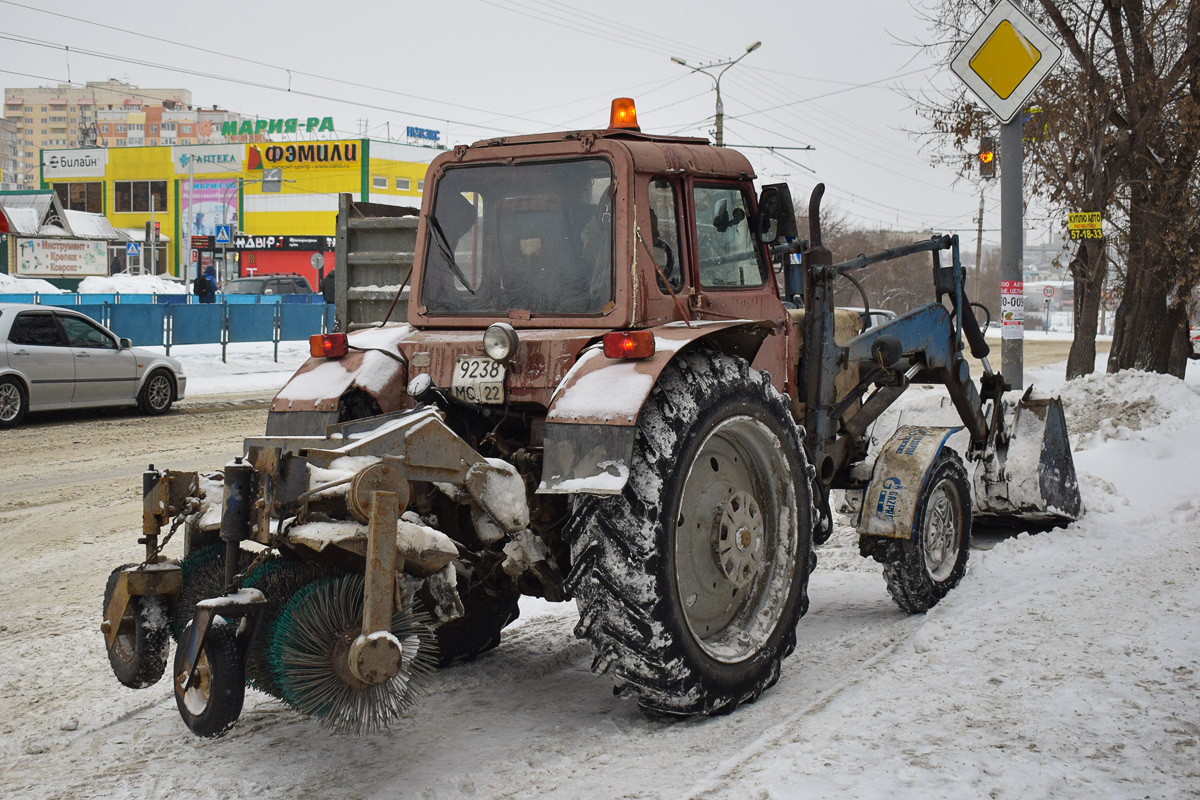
{"points": [[55, 358]]}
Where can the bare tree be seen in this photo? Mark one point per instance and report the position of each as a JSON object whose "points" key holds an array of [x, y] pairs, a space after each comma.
{"points": [[1120, 137]]}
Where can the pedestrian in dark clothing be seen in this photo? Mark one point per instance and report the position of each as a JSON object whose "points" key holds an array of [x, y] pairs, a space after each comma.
{"points": [[115, 267], [327, 287], [205, 286], [210, 273]]}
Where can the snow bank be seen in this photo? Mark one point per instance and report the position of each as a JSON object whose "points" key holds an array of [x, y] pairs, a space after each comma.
{"points": [[1131, 399], [131, 284], [11, 284]]}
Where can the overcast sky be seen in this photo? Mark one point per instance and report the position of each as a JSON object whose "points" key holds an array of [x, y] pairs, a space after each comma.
{"points": [[832, 76]]}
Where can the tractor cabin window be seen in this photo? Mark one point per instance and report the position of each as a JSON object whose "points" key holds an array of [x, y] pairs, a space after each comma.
{"points": [[664, 238], [727, 249]]}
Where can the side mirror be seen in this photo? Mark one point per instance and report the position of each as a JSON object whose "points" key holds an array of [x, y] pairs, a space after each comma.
{"points": [[126, 344], [776, 215]]}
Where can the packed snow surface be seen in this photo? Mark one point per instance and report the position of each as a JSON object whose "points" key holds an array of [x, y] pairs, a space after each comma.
{"points": [[1065, 665]]}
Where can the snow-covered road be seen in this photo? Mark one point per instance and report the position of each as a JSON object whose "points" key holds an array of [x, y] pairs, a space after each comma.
{"points": [[1064, 666]]}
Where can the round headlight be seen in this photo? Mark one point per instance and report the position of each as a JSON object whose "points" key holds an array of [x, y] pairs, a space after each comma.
{"points": [[500, 341]]}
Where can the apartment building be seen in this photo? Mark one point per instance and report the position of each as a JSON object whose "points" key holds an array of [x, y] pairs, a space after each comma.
{"points": [[8, 155], [63, 116]]}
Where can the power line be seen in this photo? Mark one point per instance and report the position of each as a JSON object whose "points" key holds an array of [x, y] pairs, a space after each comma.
{"points": [[240, 81], [271, 66]]}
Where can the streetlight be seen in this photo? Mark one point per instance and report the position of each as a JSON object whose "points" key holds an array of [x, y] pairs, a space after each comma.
{"points": [[717, 82]]}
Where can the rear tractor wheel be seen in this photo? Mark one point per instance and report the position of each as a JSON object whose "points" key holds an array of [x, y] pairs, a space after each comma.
{"points": [[691, 581], [923, 569]]}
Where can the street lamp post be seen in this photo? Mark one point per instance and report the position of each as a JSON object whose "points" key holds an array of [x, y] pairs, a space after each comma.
{"points": [[703, 68]]}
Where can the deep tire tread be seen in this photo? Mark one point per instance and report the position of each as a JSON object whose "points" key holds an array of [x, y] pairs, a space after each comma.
{"points": [[617, 568], [152, 638], [908, 582]]}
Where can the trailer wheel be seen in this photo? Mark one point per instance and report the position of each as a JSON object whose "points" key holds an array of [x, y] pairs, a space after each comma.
{"points": [[921, 571], [691, 581], [213, 702], [139, 653]]}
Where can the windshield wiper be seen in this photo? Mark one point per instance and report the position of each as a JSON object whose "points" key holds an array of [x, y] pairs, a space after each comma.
{"points": [[443, 246]]}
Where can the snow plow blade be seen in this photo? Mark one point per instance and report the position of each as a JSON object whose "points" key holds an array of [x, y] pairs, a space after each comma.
{"points": [[1038, 482]]}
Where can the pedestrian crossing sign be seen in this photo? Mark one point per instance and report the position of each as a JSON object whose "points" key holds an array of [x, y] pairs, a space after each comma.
{"points": [[223, 234], [131, 249]]}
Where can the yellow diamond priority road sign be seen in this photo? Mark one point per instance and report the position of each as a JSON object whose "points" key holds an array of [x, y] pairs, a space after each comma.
{"points": [[1005, 59]]}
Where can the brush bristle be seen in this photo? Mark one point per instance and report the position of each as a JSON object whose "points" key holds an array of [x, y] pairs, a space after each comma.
{"points": [[301, 650], [203, 577], [279, 578]]}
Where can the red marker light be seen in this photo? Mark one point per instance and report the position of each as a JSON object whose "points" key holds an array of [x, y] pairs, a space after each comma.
{"points": [[328, 345], [629, 344]]}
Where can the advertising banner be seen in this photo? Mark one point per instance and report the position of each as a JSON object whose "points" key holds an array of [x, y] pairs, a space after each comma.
{"points": [[285, 243], [304, 155], [201, 159], [1012, 309], [61, 258], [59, 164], [207, 205]]}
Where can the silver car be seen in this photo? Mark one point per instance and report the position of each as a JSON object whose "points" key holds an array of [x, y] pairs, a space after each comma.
{"points": [[55, 358]]}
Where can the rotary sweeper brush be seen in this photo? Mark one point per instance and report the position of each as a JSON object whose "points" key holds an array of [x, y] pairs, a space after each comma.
{"points": [[602, 393]]}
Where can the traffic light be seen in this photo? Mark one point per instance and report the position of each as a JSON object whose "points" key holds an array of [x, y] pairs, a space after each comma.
{"points": [[152, 232], [987, 157]]}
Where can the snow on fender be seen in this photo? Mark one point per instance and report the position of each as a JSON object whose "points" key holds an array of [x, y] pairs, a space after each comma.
{"points": [[592, 419]]}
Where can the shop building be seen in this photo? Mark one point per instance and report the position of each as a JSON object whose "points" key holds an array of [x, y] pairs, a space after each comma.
{"points": [[254, 208]]}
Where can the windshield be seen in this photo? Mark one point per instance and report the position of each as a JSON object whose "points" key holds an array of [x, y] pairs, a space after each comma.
{"points": [[244, 286], [533, 237]]}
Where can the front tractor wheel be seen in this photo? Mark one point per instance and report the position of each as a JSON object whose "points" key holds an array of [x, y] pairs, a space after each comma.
{"points": [[691, 581], [923, 569]]}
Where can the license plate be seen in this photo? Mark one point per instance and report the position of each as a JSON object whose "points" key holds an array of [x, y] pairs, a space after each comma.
{"points": [[478, 380]]}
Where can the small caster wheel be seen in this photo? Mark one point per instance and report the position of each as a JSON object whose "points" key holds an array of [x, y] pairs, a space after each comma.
{"points": [[139, 653], [213, 701]]}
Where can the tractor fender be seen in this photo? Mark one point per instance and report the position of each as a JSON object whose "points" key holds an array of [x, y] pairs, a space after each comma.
{"points": [[309, 400], [592, 419], [889, 504]]}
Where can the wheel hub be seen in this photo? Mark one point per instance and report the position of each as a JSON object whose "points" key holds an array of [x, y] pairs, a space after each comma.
{"points": [[10, 401], [738, 537], [941, 533]]}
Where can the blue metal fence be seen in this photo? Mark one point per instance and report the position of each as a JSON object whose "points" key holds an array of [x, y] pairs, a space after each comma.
{"points": [[197, 324], [144, 324], [251, 323], [168, 320]]}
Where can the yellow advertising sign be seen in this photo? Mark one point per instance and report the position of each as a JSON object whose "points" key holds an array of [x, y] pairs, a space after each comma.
{"points": [[1085, 225]]}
